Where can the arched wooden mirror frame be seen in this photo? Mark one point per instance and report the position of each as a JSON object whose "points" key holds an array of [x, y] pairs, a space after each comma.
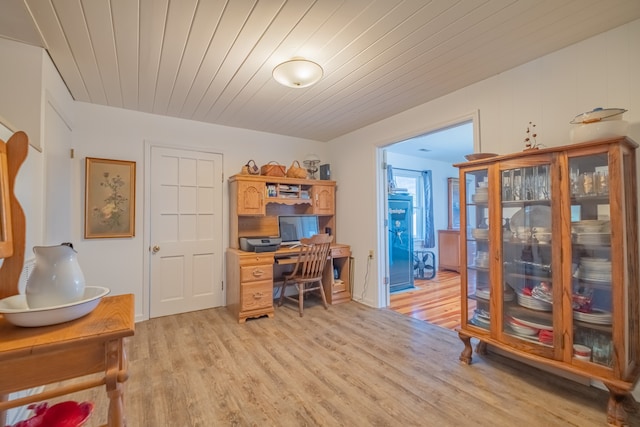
{"points": [[6, 234], [14, 152]]}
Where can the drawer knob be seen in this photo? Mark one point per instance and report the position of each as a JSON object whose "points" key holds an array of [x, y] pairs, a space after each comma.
{"points": [[257, 273], [258, 295]]}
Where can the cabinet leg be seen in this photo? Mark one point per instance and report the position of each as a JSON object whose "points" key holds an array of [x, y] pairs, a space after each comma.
{"points": [[481, 348], [619, 400], [465, 356]]}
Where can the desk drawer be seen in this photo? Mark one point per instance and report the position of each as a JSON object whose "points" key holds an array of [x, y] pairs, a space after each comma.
{"points": [[251, 273], [340, 252], [256, 295]]}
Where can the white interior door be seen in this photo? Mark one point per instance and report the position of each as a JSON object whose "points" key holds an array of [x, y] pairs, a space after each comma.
{"points": [[185, 231]]}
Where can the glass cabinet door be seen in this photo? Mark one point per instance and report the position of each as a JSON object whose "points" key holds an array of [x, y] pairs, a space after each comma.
{"points": [[591, 257], [477, 248], [527, 250]]}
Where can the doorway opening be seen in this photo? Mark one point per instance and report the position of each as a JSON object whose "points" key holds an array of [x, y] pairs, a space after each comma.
{"points": [[433, 293]]}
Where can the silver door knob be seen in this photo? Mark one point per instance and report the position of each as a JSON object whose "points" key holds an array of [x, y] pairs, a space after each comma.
{"points": [[155, 249]]}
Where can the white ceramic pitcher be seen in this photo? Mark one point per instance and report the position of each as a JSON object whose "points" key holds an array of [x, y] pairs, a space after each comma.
{"points": [[56, 278]]}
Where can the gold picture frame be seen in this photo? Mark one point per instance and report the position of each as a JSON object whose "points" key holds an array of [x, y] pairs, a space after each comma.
{"points": [[109, 198]]}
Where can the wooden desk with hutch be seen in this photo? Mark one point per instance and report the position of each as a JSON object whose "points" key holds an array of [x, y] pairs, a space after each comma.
{"points": [[255, 202]]}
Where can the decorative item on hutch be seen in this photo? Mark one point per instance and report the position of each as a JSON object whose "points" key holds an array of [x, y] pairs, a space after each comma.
{"points": [[250, 168], [530, 142], [311, 162], [553, 278], [273, 169], [296, 171], [598, 123]]}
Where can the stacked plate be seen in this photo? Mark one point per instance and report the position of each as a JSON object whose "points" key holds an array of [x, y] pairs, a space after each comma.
{"points": [[483, 293], [521, 329], [602, 238], [588, 226], [599, 317], [482, 259], [533, 322], [480, 233], [533, 303], [481, 196], [480, 321], [591, 232], [594, 269]]}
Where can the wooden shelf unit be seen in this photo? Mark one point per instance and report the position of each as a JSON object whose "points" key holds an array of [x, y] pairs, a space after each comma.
{"points": [[515, 277], [255, 202], [449, 250], [253, 212]]}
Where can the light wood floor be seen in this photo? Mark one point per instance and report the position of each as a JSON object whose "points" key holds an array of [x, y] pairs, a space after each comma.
{"points": [[436, 301], [350, 365]]}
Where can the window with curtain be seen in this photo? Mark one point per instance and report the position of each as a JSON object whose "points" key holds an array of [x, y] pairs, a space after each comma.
{"points": [[413, 182]]}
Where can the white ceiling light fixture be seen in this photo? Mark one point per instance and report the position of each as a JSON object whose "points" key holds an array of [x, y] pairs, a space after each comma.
{"points": [[297, 73]]}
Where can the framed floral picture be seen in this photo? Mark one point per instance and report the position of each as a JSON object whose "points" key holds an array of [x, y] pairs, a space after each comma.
{"points": [[109, 198]]}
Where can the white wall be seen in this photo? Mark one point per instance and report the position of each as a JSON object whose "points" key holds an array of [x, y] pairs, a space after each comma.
{"points": [[20, 109], [114, 133], [550, 91]]}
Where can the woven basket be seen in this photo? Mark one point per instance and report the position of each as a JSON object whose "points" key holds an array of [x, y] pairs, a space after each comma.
{"points": [[272, 169], [296, 171], [250, 169]]}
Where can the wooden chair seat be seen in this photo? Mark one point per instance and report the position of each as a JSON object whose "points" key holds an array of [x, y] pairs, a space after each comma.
{"points": [[307, 271]]}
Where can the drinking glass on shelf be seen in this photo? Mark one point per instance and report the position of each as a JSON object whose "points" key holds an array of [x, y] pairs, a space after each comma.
{"points": [[601, 351], [602, 183], [506, 187], [587, 183], [574, 176], [517, 187], [542, 185]]}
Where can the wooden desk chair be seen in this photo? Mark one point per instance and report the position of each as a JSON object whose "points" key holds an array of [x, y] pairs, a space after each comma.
{"points": [[307, 272]]}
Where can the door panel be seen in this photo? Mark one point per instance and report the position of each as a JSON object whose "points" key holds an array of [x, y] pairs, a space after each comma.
{"points": [[186, 231]]}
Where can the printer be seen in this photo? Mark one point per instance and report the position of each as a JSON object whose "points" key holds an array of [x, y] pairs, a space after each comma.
{"points": [[260, 244]]}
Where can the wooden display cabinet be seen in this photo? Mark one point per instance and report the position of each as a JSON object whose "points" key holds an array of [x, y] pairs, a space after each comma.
{"points": [[549, 247], [449, 250]]}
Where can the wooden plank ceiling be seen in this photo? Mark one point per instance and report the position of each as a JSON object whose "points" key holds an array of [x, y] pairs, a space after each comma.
{"points": [[211, 60]]}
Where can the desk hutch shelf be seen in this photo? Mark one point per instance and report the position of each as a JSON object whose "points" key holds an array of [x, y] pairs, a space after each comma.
{"points": [[549, 253]]}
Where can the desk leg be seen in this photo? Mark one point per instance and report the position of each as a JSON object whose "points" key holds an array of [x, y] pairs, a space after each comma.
{"points": [[115, 374]]}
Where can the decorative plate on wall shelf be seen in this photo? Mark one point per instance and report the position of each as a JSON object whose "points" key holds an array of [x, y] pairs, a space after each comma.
{"points": [[478, 156]]}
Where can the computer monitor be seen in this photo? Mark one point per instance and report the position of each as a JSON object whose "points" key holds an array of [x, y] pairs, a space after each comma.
{"points": [[295, 227]]}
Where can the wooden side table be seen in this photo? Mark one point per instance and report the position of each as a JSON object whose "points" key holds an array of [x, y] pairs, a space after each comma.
{"points": [[32, 357]]}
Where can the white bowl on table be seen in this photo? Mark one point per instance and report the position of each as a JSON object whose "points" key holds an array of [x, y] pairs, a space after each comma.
{"points": [[16, 311]]}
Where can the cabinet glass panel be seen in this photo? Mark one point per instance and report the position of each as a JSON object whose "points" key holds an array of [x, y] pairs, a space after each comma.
{"points": [[527, 249], [477, 214], [591, 259]]}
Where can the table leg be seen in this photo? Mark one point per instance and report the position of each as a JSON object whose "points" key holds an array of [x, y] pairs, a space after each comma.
{"points": [[3, 414], [115, 373]]}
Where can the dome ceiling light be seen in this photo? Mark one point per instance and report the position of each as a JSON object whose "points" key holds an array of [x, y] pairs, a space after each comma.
{"points": [[297, 73]]}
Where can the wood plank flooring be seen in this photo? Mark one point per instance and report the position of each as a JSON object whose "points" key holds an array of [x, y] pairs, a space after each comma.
{"points": [[436, 301], [350, 365]]}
